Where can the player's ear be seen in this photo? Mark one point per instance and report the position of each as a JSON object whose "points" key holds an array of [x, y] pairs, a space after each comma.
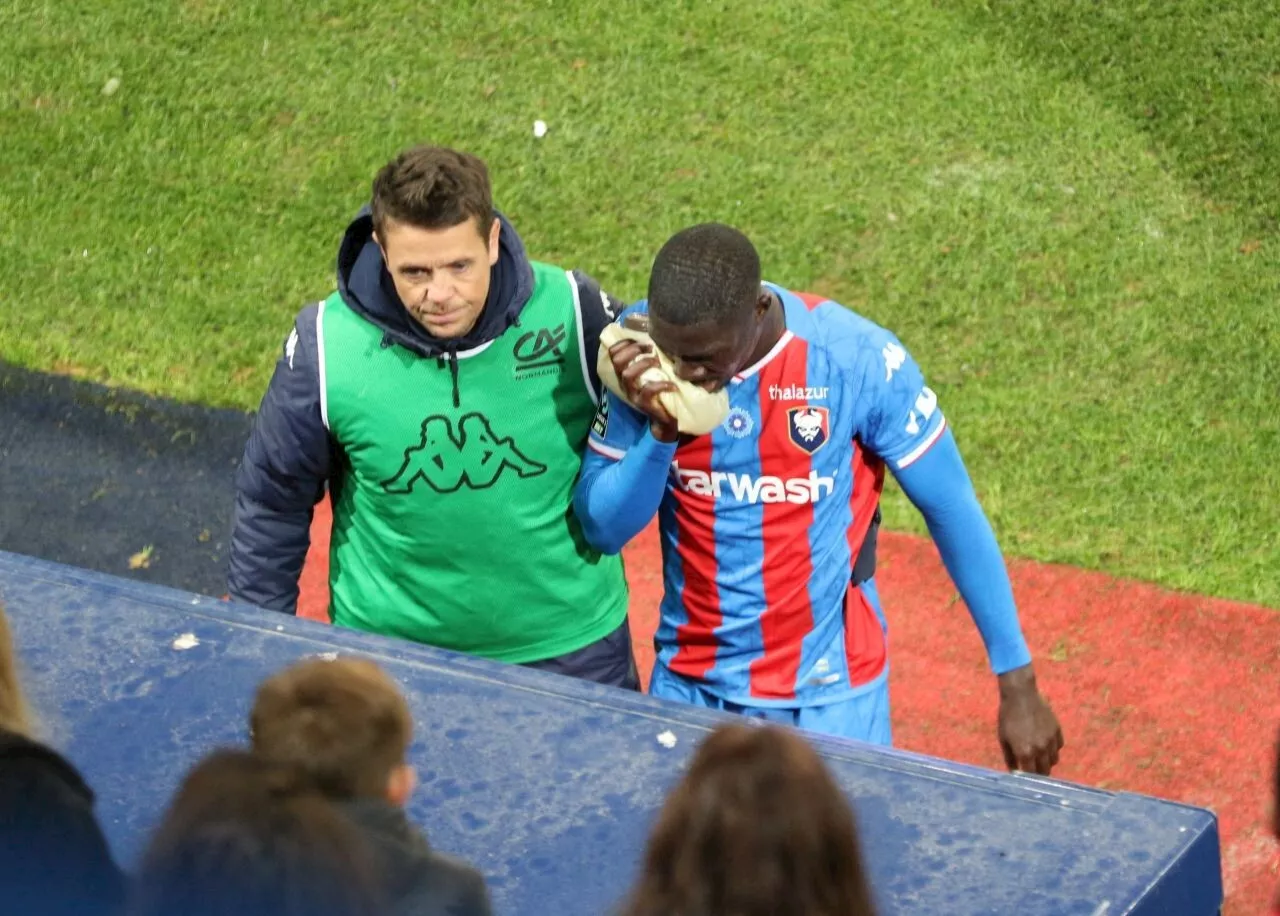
{"points": [[763, 301]]}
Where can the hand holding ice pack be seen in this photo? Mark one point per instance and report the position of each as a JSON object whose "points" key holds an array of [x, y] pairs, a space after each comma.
{"points": [[695, 410]]}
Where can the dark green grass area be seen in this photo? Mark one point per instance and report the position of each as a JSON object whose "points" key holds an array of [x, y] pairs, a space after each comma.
{"points": [[1091, 289], [1202, 78]]}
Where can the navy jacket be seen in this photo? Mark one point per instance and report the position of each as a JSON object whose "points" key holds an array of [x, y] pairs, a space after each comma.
{"points": [[54, 859], [418, 880], [290, 457]]}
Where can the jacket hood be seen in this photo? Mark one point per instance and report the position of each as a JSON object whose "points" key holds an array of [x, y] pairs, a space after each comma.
{"points": [[367, 288]]}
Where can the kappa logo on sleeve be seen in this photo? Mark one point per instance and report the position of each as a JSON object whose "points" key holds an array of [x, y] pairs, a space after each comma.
{"points": [[894, 359]]}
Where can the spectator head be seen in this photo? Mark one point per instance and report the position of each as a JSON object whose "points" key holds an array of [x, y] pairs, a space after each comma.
{"points": [[343, 722], [244, 836], [756, 827], [15, 716], [434, 221]]}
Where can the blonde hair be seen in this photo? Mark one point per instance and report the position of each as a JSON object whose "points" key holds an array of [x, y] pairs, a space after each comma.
{"points": [[15, 715]]}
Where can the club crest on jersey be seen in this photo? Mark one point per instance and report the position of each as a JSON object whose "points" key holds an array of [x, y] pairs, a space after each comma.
{"points": [[809, 427]]}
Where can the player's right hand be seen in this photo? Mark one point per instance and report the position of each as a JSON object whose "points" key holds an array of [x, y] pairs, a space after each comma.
{"points": [[631, 360]]}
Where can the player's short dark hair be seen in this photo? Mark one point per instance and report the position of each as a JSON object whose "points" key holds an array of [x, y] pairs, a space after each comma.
{"points": [[708, 272], [246, 835], [344, 722], [433, 187], [756, 826]]}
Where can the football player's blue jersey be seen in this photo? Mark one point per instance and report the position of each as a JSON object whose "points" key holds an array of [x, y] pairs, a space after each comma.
{"points": [[763, 519]]}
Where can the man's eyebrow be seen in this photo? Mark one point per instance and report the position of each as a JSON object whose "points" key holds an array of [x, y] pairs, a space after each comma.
{"points": [[413, 265]]}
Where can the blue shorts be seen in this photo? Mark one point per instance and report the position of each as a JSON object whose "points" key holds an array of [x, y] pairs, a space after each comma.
{"points": [[862, 717]]}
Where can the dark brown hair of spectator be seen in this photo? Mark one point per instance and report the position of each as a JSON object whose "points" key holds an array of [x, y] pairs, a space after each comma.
{"points": [[757, 827], [243, 837]]}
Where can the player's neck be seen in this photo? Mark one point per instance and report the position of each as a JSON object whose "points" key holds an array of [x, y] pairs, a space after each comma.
{"points": [[773, 326]]}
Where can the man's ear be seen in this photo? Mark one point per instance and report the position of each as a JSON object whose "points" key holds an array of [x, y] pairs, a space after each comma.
{"points": [[382, 249], [494, 231], [400, 785]]}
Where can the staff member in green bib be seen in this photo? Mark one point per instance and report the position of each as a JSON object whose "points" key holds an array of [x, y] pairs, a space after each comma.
{"points": [[444, 394]]}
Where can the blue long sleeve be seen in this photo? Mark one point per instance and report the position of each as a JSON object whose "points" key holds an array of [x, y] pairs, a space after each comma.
{"points": [[939, 486], [616, 498]]}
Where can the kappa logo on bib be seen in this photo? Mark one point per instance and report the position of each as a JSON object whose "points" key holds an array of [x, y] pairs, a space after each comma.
{"points": [[475, 457]]}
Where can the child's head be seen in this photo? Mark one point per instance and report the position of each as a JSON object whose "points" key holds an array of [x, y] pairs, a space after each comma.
{"points": [[245, 836], [343, 721], [14, 714], [757, 826]]}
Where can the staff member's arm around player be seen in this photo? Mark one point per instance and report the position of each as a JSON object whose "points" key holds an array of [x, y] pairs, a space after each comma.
{"points": [[444, 394], [768, 523]]}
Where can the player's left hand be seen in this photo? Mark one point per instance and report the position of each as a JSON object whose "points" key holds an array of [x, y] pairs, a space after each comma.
{"points": [[1030, 735]]}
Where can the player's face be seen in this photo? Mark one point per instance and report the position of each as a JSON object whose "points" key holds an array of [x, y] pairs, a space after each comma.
{"points": [[708, 355], [441, 275]]}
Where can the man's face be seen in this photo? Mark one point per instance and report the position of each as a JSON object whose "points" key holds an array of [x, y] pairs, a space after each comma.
{"points": [[708, 354], [441, 275]]}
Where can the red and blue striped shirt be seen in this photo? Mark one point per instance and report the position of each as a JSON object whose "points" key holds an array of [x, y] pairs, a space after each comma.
{"points": [[763, 519]]}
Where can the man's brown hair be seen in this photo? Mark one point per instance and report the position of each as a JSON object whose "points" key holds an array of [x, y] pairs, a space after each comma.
{"points": [[756, 827], [433, 187], [344, 722]]}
